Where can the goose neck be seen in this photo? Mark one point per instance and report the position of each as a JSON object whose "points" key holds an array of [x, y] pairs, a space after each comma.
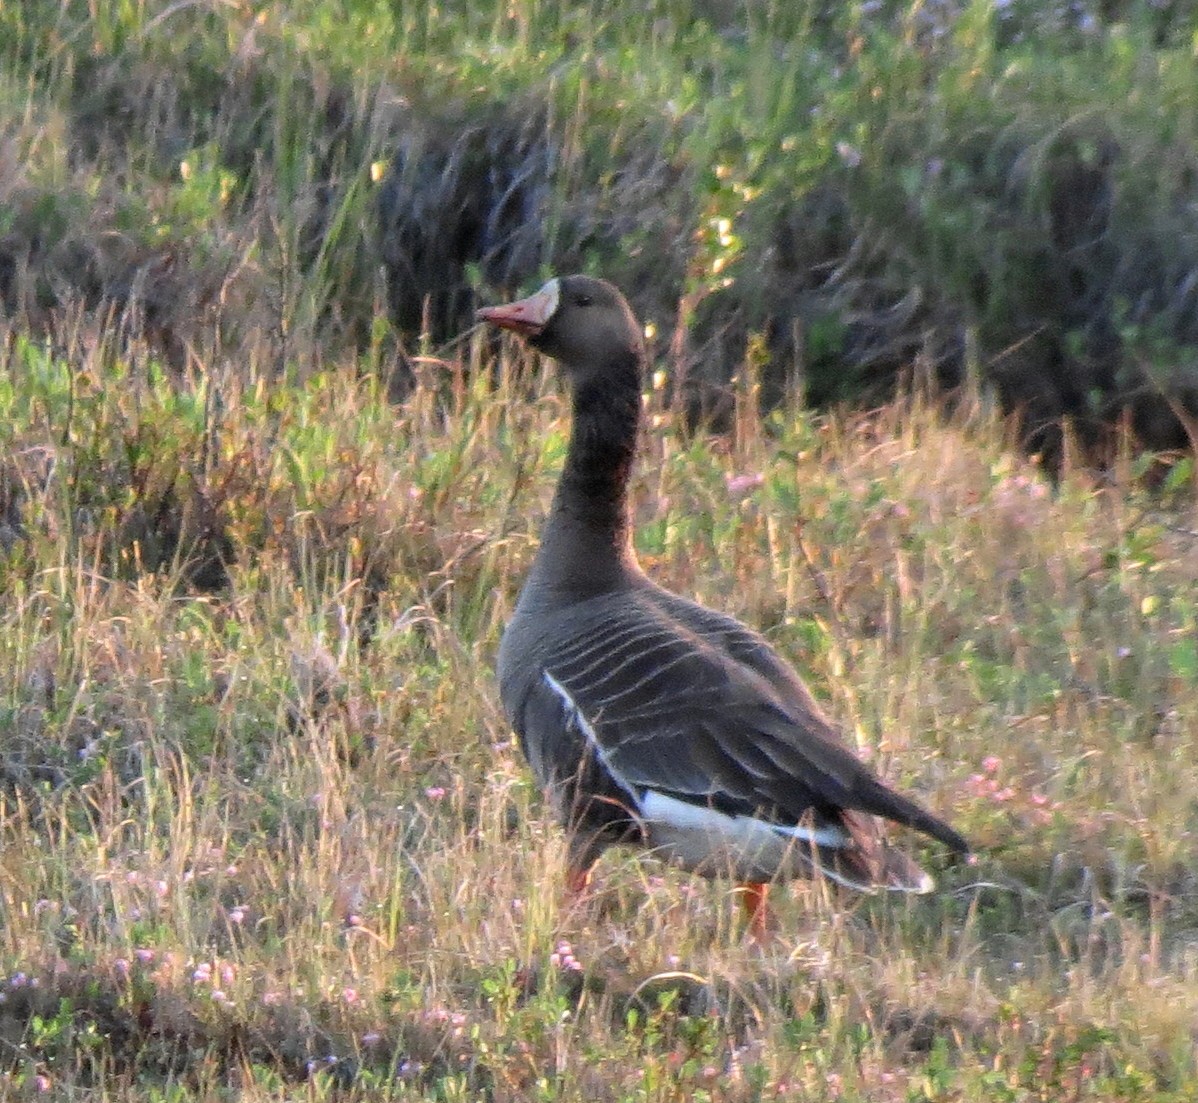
{"points": [[589, 525]]}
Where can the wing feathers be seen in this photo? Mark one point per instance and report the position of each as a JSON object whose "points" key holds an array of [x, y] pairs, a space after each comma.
{"points": [[694, 719]]}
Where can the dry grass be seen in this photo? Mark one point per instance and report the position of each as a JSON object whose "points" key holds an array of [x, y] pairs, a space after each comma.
{"points": [[279, 831]]}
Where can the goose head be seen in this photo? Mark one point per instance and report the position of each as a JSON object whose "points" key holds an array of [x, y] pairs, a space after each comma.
{"points": [[583, 323]]}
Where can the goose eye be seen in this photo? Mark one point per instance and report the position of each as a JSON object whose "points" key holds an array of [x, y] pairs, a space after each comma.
{"points": [[582, 299]]}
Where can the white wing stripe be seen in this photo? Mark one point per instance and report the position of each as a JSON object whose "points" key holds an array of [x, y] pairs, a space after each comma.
{"points": [[584, 726], [638, 684], [609, 657]]}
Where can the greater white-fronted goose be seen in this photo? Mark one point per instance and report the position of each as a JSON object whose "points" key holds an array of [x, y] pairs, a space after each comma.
{"points": [[648, 718]]}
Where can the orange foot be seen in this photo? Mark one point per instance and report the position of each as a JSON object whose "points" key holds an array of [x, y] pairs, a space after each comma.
{"points": [[577, 881], [753, 902]]}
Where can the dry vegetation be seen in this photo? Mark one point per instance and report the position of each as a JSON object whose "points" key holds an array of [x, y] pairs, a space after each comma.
{"points": [[280, 832], [263, 831]]}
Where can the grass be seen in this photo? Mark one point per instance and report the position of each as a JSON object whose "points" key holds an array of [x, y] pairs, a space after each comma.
{"points": [[279, 832], [264, 833], [998, 192]]}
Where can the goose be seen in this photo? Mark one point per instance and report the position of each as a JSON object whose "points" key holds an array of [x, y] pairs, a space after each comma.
{"points": [[647, 718]]}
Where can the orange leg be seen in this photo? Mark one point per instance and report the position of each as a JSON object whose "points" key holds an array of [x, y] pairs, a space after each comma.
{"points": [[753, 901], [577, 880]]}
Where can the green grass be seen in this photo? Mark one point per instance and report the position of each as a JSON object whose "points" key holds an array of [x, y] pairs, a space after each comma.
{"points": [[249, 831], [996, 192], [264, 832]]}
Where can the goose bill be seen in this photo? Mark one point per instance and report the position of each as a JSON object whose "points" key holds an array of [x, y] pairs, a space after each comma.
{"points": [[525, 316]]}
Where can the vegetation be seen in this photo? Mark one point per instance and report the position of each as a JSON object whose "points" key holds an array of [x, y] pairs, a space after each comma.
{"points": [[263, 832], [977, 190]]}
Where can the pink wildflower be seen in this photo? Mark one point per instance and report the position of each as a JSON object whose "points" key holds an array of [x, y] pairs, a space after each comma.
{"points": [[742, 484]]}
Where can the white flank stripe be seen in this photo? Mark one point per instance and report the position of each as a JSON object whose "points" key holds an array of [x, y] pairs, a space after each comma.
{"points": [[744, 831], [584, 725]]}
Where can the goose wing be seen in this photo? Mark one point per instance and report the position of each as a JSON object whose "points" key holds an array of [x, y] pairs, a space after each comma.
{"points": [[711, 717]]}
